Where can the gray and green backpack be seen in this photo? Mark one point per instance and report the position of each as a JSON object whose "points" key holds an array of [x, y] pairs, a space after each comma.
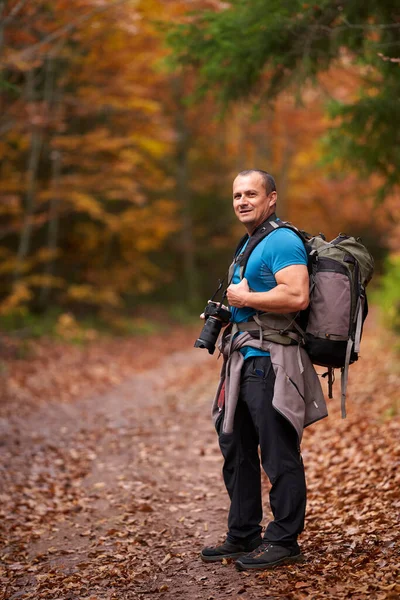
{"points": [[339, 273], [331, 327]]}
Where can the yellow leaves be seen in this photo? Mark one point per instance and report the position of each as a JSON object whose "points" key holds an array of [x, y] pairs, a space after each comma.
{"points": [[128, 157], [69, 142], [45, 280], [98, 296], [85, 203], [146, 244], [155, 147], [108, 150], [8, 265], [44, 255], [97, 139], [88, 238], [164, 219], [146, 105], [143, 230], [65, 323], [144, 286], [9, 261], [69, 329], [19, 296]]}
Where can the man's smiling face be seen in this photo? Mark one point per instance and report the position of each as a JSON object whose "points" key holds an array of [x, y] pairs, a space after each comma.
{"points": [[251, 201]]}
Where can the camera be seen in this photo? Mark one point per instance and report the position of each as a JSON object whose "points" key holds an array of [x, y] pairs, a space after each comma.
{"points": [[216, 316]]}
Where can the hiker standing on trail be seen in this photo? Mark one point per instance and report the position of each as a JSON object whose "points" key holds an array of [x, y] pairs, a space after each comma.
{"points": [[269, 390]]}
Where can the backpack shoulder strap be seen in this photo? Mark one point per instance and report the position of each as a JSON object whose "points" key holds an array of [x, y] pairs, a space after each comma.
{"points": [[240, 245], [267, 227]]}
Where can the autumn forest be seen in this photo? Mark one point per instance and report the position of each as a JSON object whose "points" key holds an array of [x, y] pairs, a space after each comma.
{"points": [[122, 126], [115, 183]]}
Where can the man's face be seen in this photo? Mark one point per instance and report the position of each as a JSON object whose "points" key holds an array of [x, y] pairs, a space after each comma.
{"points": [[251, 203]]}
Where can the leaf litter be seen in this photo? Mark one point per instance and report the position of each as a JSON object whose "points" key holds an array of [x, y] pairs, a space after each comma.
{"points": [[112, 484]]}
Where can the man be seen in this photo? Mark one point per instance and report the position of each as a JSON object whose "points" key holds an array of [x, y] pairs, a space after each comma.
{"points": [[276, 281]]}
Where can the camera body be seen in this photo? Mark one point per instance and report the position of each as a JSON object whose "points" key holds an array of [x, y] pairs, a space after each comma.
{"points": [[216, 316]]}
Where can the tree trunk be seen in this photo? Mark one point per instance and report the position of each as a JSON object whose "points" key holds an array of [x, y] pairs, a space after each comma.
{"points": [[53, 227], [52, 95], [12, 16], [37, 138], [35, 149], [183, 196]]}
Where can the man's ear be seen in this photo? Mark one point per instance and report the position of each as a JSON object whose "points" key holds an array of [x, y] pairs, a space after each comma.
{"points": [[273, 197]]}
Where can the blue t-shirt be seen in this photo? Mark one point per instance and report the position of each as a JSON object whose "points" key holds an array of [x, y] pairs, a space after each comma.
{"points": [[281, 248]]}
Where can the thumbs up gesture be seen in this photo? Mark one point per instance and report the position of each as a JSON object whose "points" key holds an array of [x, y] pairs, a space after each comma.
{"points": [[238, 294]]}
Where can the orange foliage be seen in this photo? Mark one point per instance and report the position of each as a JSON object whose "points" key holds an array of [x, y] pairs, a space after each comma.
{"points": [[95, 132], [287, 140]]}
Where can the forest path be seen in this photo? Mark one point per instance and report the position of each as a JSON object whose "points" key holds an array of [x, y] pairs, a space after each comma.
{"points": [[112, 496]]}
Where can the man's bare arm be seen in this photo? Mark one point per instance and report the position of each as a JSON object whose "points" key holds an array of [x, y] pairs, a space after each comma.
{"points": [[291, 293]]}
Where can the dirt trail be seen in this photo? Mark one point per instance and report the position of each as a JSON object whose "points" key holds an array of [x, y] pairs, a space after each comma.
{"points": [[113, 496]]}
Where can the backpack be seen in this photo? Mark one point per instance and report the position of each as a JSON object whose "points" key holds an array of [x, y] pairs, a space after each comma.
{"points": [[339, 271]]}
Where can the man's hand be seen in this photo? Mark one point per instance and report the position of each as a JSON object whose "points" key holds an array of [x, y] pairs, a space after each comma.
{"points": [[238, 294], [289, 295], [203, 316]]}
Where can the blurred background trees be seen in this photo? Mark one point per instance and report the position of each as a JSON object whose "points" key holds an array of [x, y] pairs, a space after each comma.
{"points": [[116, 169]]}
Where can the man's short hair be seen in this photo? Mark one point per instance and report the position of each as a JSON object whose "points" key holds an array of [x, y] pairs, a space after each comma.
{"points": [[269, 181]]}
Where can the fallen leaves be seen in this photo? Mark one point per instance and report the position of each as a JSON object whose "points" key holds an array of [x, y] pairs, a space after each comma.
{"points": [[112, 497], [66, 372]]}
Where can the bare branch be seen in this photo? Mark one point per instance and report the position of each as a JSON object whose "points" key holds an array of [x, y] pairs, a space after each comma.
{"points": [[372, 27], [14, 12], [29, 52], [338, 28]]}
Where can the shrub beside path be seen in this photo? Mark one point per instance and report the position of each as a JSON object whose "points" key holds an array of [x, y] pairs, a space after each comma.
{"points": [[111, 479]]}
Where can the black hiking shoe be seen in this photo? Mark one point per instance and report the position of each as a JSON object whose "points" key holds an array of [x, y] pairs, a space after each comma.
{"points": [[228, 550], [268, 556]]}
